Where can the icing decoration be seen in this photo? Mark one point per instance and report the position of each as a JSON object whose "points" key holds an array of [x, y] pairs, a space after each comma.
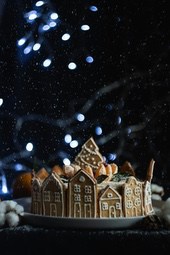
{"points": [[89, 155]]}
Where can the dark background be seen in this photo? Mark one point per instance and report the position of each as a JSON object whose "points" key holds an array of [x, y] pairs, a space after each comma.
{"points": [[125, 90]]}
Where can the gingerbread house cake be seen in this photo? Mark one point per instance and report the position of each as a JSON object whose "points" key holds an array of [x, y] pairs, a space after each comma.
{"points": [[91, 188]]}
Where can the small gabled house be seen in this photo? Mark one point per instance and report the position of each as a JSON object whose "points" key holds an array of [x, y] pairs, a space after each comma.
{"points": [[82, 196], [37, 180], [53, 196], [133, 198], [110, 203]]}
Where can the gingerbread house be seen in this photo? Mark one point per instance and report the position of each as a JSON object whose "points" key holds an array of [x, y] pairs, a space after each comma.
{"points": [[36, 205], [133, 198], [110, 203], [82, 195], [53, 196], [76, 191], [37, 180]]}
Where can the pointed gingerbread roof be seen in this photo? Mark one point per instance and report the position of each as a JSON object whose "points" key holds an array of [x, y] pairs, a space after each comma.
{"points": [[42, 174], [106, 189], [81, 171], [127, 168], [54, 178]]}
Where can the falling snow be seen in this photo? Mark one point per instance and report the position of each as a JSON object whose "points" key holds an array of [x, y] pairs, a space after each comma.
{"points": [[106, 75]]}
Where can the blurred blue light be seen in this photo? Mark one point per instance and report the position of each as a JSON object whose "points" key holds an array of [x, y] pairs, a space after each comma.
{"points": [[85, 27], [47, 62], [52, 24], [1, 101], [93, 8], [54, 15], [72, 66], [4, 189], [32, 15], [46, 27], [73, 144], [65, 37], [4, 185], [36, 46], [28, 49], [89, 59], [21, 41], [80, 117], [39, 3], [112, 156], [119, 120], [66, 161], [29, 147], [129, 130], [67, 138], [98, 130], [18, 167]]}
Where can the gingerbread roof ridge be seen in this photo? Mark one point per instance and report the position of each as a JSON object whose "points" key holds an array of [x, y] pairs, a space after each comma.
{"points": [[106, 189], [83, 171], [42, 173], [93, 141], [54, 176]]}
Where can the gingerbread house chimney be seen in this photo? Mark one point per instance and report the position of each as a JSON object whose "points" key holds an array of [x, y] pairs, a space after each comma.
{"points": [[150, 171]]}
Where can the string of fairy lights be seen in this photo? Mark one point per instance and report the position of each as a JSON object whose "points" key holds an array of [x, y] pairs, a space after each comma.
{"points": [[42, 20], [39, 22], [70, 139]]}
